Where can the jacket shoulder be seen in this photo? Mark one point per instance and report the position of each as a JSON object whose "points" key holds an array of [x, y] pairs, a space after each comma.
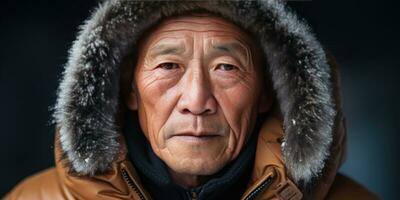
{"points": [[42, 185], [345, 188]]}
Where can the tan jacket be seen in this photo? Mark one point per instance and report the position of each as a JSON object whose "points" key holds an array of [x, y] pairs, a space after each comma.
{"points": [[122, 182]]}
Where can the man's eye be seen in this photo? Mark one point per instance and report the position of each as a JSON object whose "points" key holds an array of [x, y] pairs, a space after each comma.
{"points": [[226, 67], [168, 66]]}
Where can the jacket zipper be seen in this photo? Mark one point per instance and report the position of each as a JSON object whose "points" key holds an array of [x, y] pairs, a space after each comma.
{"points": [[132, 184], [259, 188], [192, 195]]}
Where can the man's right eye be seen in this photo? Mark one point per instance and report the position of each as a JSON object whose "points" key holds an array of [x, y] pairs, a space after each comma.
{"points": [[168, 66]]}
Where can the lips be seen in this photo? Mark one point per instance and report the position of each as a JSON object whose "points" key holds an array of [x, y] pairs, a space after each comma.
{"points": [[196, 135]]}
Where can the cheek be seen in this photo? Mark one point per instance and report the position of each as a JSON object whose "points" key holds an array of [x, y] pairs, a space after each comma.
{"points": [[156, 102], [239, 110]]}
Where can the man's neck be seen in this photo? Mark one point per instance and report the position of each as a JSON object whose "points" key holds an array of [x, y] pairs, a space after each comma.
{"points": [[187, 180]]}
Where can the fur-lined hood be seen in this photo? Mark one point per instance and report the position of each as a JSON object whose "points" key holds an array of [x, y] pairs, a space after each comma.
{"points": [[89, 93]]}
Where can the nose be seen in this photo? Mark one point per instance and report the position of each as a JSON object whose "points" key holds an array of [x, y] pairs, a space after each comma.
{"points": [[196, 95]]}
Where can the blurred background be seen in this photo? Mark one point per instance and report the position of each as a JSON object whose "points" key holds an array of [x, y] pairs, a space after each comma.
{"points": [[363, 35]]}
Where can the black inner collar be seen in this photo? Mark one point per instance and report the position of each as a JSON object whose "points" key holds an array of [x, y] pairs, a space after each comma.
{"points": [[230, 182]]}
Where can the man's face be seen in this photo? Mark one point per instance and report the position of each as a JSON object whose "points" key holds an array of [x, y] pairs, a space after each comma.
{"points": [[197, 92]]}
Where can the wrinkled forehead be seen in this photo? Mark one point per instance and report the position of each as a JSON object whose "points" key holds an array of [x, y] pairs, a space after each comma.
{"points": [[210, 25], [174, 35], [200, 23]]}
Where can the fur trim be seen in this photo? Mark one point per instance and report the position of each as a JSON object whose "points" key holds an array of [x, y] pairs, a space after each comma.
{"points": [[89, 91]]}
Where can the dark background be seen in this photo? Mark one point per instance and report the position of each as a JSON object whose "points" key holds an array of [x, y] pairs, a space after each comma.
{"points": [[363, 35]]}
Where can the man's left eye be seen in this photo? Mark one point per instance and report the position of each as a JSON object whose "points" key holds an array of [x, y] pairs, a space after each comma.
{"points": [[226, 67]]}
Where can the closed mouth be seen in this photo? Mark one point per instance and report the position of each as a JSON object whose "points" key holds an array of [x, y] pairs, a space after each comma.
{"points": [[196, 136]]}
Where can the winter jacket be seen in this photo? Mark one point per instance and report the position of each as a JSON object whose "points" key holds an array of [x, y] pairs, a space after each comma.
{"points": [[300, 146]]}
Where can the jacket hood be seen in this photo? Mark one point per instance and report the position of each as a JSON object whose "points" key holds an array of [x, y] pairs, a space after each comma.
{"points": [[89, 93]]}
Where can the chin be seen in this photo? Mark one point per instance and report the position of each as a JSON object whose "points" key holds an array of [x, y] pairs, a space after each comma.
{"points": [[202, 167], [196, 156]]}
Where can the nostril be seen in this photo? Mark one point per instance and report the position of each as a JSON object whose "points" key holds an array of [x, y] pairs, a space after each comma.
{"points": [[202, 112], [185, 111], [207, 111]]}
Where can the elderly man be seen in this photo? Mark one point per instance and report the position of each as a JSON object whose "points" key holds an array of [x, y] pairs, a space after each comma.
{"points": [[196, 100]]}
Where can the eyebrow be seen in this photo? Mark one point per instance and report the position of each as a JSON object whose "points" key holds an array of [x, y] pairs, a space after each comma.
{"points": [[167, 49], [228, 48], [234, 48]]}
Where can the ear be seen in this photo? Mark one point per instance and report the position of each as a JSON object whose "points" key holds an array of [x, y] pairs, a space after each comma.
{"points": [[132, 99], [265, 101]]}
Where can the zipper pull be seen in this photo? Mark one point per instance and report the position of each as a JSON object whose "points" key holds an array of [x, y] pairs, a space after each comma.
{"points": [[193, 195], [288, 191]]}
